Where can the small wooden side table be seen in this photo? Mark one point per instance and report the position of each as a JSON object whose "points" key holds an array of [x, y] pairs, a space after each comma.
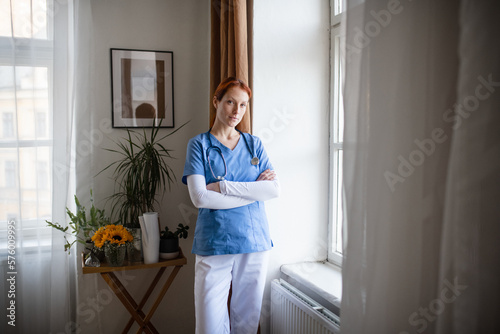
{"points": [[144, 320]]}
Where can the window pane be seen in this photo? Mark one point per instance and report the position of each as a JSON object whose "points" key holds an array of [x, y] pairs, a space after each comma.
{"points": [[31, 96], [340, 106], [338, 7], [338, 95], [26, 97], [21, 17], [29, 166], [42, 175], [9, 204], [41, 125], [29, 18], [7, 103], [7, 125], [10, 174], [5, 24], [339, 211], [39, 20], [6, 78]]}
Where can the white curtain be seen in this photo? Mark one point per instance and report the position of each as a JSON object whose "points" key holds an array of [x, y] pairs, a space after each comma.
{"points": [[422, 167], [39, 86]]}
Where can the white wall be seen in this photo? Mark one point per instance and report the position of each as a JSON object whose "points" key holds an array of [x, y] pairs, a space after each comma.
{"points": [[181, 27], [291, 89]]}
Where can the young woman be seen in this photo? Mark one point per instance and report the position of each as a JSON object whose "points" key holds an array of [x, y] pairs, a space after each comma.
{"points": [[229, 175]]}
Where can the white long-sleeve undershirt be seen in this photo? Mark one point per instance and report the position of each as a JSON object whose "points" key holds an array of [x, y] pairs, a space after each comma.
{"points": [[233, 194], [256, 191]]}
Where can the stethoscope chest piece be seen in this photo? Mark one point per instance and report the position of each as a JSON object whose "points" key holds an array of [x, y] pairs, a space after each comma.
{"points": [[254, 161]]}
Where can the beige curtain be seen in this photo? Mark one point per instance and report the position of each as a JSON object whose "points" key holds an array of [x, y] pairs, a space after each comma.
{"points": [[231, 48], [231, 51]]}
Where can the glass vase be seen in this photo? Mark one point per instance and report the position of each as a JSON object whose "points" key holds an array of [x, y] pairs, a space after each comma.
{"points": [[115, 255], [134, 248], [99, 253], [92, 260]]}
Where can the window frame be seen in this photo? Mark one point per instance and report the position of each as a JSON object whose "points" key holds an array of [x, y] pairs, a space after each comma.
{"points": [[33, 233], [335, 224]]}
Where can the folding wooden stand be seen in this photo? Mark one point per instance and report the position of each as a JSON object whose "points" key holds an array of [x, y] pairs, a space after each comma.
{"points": [[118, 288]]}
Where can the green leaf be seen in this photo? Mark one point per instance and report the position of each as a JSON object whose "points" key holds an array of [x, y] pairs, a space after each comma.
{"points": [[141, 172]]}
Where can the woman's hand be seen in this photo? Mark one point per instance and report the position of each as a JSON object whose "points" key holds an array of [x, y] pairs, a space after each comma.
{"points": [[267, 175], [214, 187]]}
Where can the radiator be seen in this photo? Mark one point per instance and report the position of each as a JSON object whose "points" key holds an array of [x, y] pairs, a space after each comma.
{"points": [[292, 312]]}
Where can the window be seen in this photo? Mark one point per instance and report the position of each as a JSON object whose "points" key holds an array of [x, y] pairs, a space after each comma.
{"points": [[7, 124], [41, 124], [336, 136], [10, 174], [25, 108], [42, 176]]}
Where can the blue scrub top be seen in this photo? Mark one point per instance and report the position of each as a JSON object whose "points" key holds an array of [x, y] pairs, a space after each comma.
{"points": [[230, 231]]}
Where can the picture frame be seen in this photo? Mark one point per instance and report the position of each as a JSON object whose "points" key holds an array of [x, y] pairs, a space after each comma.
{"points": [[142, 88]]}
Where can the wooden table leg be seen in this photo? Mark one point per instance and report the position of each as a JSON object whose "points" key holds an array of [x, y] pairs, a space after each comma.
{"points": [[158, 300], [145, 298], [128, 302], [136, 310]]}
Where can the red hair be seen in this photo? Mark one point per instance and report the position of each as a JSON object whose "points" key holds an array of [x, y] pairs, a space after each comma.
{"points": [[229, 83]]}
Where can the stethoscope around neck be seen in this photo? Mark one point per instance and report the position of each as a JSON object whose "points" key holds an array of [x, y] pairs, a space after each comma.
{"points": [[254, 161]]}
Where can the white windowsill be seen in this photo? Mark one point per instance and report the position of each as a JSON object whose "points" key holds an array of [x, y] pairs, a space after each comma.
{"points": [[322, 278]]}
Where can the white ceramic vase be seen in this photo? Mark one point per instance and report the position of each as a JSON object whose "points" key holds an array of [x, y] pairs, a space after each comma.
{"points": [[150, 237]]}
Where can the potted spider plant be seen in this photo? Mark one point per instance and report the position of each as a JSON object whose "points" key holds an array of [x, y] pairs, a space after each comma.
{"points": [[141, 173], [169, 241]]}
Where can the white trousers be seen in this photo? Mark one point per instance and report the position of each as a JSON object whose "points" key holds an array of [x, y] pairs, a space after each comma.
{"points": [[213, 277]]}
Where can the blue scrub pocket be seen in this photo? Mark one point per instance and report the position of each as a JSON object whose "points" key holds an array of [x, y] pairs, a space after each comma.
{"points": [[211, 231]]}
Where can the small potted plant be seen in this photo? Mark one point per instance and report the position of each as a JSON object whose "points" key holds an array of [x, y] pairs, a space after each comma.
{"points": [[169, 241]]}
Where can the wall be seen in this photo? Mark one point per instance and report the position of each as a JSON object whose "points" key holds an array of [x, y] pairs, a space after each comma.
{"points": [[291, 89], [181, 27]]}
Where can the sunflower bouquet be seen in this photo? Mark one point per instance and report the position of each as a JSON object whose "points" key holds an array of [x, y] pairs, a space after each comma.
{"points": [[113, 239]]}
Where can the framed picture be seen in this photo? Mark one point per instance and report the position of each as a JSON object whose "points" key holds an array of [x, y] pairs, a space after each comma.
{"points": [[142, 87]]}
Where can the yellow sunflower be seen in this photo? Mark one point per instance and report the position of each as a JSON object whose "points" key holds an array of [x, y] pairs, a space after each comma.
{"points": [[97, 238], [117, 235], [112, 234]]}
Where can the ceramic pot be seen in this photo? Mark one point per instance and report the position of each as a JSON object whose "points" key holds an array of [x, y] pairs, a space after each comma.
{"points": [[169, 245], [169, 248]]}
